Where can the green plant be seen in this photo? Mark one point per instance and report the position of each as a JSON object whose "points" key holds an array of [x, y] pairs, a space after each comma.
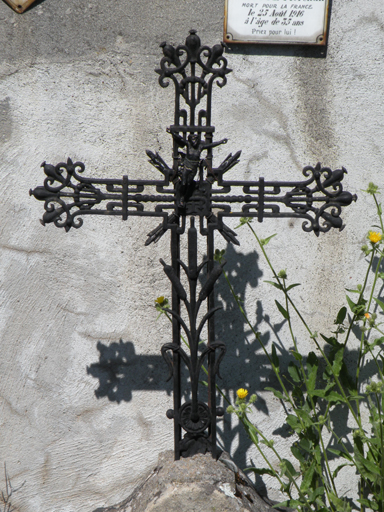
{"points": [[309, 479]]}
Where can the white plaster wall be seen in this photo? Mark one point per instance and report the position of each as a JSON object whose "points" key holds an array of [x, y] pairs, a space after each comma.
{"points": [[77, 81]]}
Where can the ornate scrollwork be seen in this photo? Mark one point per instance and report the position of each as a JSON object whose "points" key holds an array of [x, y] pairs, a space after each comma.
{"points": [[176, 61], [327, 190], [193, 187], [194, 424], [194, 417], [318, 200]]}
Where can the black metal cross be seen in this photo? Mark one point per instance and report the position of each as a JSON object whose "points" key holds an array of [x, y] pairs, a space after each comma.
{"points": [[193, 188]]}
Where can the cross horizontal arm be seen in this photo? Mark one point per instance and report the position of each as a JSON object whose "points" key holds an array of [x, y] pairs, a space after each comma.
{"points": [[318, 200], [67, 193]]}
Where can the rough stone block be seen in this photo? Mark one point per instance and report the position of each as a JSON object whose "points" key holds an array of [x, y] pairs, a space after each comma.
{"points": [[194, 484]]}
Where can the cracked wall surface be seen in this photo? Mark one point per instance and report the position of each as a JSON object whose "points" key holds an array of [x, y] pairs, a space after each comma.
{"points": [[77, 80]]}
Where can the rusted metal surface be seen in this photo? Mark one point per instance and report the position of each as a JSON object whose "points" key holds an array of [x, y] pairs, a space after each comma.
{"points": [[20, 5], [276, 22]]}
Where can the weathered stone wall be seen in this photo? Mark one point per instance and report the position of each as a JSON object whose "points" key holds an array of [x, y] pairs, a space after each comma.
{"points": [[77, 81]]}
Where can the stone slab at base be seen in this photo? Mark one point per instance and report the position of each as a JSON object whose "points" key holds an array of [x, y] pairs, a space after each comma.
{"points": [[194, 484]]}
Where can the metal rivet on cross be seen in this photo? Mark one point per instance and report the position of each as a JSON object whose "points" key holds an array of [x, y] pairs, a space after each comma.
{"points": [[193, 188]]}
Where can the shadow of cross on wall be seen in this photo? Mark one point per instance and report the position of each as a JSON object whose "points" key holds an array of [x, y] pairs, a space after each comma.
{"points": [[120, 371]]}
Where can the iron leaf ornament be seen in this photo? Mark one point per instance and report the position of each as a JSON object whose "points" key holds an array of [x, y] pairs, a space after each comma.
{"points": [[192, 187]]}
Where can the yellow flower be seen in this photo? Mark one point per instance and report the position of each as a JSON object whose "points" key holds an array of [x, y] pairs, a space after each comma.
{"points": [[367, 315], [374, 236], [160, 300], [241, 393]]}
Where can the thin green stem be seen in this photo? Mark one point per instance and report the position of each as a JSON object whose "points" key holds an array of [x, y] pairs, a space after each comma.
{"points": [[317, 426], [249, 426], [375, 278], [377, 364], [255, 441], [361, 294], [382, 450], [361, 355], [378, 207], [357, 419], [257, 335], [379, 330]]}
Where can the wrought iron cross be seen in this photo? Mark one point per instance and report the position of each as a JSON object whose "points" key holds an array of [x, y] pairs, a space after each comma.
{"points": [[193, 188]]}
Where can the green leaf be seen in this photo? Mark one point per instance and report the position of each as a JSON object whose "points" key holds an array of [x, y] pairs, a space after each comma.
{"points": [[368, 469], [265, 241], [312, 367], [336, 472], [317, 453], [319, 392], [244, 220], [306, 444], [347, 380], [368, 503], [297, 355], [278, 394], [262, 471], [297, 454], [333, 396], [370, 346], [285, 487], [283, 311], [293, 371], [336, 501], [203, 382], [317, 492], [341, 453], [289, 503], [358, 447], [351, 304], [294, 423], [287, 469], [305, 417], [275, 359], [337, 357], [298, 395], [331, 341], [292, 286], [307, 477], [341, 315], [251, 430], [373, 467], [276, 285], [379, 302]]}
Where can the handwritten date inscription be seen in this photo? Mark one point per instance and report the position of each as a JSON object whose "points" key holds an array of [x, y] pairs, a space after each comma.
{"points": [[279, 21]]}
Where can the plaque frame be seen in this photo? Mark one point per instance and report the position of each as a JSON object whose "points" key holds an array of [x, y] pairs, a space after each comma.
{"points": [[229, 38]]}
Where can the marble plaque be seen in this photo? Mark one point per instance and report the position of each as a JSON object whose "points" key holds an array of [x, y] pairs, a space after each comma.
{"points": [[20, 5], [279, 21]]}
